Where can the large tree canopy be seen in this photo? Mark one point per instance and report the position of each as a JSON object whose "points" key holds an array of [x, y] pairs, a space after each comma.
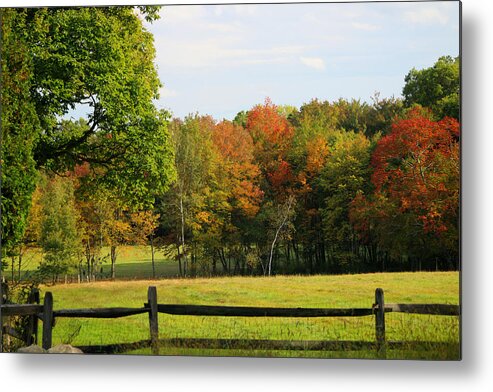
{"points": [[66, 62], [19, 128], [416, 178], [436, 87], [100, 60]]}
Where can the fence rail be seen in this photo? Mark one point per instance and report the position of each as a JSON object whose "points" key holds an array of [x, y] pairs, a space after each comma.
{"points": [[99, 312], [47, 315], [244, 311], [433, 309], [21, 310]]}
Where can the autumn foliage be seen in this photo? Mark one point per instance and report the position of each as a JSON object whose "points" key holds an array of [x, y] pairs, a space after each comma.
{"points": [[235, 146], [269, 128], [293, 193], [416, 181], [327, 187], [418, 166], [271, 134]]}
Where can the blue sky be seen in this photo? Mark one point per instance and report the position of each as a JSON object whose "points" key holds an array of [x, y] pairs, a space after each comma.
{"points": [[220, 59]]}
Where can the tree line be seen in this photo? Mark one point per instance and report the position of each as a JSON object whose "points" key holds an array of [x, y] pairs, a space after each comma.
{"points": [[330, 187]]}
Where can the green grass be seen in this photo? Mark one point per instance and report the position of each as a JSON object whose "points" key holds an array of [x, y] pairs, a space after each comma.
{"points": [[280, 291], [133, 262]]}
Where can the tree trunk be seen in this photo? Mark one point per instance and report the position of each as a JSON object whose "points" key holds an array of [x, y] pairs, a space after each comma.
{"points": [[19, 264], [214, 261], [113, 261], [193, 262], [296, 254], [271, 255], [93, 268], [269, 266], [184, 251], [88, 261], [179, 259], [13, 268], [237, 269], [223, 260], [152, 258]]}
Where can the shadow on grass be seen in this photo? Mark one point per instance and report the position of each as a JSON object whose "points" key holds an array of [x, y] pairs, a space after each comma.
{"points": [[141, 270]]}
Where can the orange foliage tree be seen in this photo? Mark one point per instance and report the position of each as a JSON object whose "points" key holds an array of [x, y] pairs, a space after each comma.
{"points": [[416, 178], [235, 146], [272, 134]]}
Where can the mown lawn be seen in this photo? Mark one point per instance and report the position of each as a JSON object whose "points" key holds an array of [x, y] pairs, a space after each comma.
{"points": [[133, 262], [280, 291]]}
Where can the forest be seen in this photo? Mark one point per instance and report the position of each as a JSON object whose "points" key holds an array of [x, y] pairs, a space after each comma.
{"points": [[330, 187]]}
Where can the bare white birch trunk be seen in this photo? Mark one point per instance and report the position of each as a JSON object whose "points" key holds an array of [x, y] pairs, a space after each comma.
{"points": [[269, 266]]}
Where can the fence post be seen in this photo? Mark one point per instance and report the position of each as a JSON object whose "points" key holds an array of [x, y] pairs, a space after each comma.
{"points": [[3, 290], [380, 323], [36, 318], [47, 320], [32, 324], [153, 319]]}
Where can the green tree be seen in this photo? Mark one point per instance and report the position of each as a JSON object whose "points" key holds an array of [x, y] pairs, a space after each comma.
{"points": [[60, 234], [241, 118], [193, 162], [383, 112], [315, 124], [352, 115], [19, 128], [108, 220], [100, 60], [314, 120], [345, 174], [436, 87], [286, 111]]}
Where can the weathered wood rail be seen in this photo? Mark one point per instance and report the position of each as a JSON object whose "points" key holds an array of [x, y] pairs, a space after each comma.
{"points": [[243, 311], [47, 315]]}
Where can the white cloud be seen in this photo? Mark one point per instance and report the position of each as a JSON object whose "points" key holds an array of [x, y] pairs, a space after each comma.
{"points": [[366, 26], [165, 92], [313, 62], [427, 15], [182, 14], [224, 27], [221, 51]]}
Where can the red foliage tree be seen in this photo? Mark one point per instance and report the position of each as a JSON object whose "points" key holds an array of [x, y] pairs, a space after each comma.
{"points": [[272, 135], [268, 127], [417, 164], [416, 180]]}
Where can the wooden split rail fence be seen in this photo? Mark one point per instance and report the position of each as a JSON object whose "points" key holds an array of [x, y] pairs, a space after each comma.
{"points": [[45, 312]]}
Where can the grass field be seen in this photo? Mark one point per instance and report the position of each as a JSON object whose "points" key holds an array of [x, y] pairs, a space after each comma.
{"points": [[280, 291], [133, 262]]}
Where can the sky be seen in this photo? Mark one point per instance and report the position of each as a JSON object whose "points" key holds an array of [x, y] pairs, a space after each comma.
{"points": [[221, 59]]}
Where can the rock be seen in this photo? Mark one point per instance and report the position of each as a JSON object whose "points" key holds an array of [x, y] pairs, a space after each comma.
{"points": [[32, 349], [64, 349]]}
